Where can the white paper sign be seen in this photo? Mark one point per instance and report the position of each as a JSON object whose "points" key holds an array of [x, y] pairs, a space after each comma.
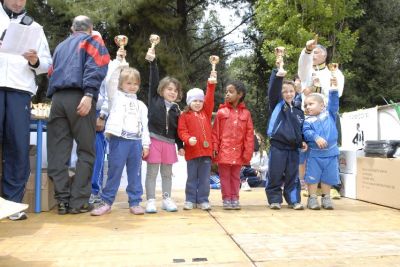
{"points": [[20, 38]]}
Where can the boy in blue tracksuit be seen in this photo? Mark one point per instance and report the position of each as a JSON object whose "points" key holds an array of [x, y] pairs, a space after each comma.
{"points": [[321, 135], [285, 133]]}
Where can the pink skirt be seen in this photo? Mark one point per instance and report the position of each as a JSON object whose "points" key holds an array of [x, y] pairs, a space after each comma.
{"points": [[161, 152]]}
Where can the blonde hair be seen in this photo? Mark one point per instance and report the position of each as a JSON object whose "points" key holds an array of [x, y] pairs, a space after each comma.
{"points": [[316, 96], [165, 82], [127, 74]]}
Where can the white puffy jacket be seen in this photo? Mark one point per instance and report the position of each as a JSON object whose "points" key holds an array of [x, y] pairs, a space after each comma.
{"points": [[15, 71]]}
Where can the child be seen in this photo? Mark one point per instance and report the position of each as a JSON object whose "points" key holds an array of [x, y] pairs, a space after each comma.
{"points": [[129, 142], [233, 142], [321, 136], [163, 124], [285, 134], [194, 129]]}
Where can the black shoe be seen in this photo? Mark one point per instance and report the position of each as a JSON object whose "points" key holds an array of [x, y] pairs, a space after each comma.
{"points": [[62, 208], [85, 208]]}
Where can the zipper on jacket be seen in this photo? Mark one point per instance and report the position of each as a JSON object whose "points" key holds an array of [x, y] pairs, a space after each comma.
{"points": [[166, 121]]}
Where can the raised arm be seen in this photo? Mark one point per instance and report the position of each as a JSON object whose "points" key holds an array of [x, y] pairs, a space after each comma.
{"points": [[274, 89], [209, 99], [153, 80]]}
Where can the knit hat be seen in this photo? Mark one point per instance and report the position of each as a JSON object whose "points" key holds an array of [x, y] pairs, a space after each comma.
{"points": [[194, 94]]}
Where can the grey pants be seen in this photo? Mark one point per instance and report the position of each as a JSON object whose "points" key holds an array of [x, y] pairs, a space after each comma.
{"points": [[64, 126], [151, 176]]}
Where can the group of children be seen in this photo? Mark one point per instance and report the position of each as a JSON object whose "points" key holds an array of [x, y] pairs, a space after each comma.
{"points": [[152, 133]]}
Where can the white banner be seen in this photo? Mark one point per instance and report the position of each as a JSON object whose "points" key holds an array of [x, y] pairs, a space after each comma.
{"points": [[358, 127]]}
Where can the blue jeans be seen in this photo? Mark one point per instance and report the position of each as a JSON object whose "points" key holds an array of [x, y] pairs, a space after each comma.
{"points": [[97, 176], [15, 113], [124, 151], [198, 181]]}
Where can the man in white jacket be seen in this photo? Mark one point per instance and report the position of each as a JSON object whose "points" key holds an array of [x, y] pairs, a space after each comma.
{"points": [[17, 85]]}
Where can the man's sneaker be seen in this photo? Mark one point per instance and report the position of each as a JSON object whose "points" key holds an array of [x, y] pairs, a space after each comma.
{"points": [[151, 206], [334, 194], [94, 199], [226, 205], [136, 210], [63, 208], [275, 206], [235, 205], [169, 205], [102, 209], [19, 216], [312, 203], [188, 205], [205, 206], [84, 208], [327, 203], [297, 206]]}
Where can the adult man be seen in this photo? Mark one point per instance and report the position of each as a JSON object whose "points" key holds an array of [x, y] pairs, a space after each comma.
{"points": [[314, 73], [80, 65], [17, 85]]}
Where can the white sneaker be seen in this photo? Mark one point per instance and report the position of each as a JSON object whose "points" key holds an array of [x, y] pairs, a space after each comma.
{"points": [[188, 205], [151, 206], [245, 186], [205, 206], [18, 216], [169, 205]]}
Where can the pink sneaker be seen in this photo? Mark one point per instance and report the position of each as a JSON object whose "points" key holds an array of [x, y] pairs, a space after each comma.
{"points": [[102, 209], [137, 210]]}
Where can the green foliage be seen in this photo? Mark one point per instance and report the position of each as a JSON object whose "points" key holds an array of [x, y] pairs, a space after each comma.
{"points": [[376, 61], [290, 23]]}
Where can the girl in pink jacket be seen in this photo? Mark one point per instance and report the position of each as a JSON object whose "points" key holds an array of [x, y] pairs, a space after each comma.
{"points": [[233, 142]]}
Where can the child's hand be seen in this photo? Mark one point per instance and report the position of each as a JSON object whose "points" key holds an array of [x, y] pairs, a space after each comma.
{"points": [[192, 141], [304, 147], [213, 77], [321, 142], [181, 152], [121, 53], [334, 82], [145, 153]]}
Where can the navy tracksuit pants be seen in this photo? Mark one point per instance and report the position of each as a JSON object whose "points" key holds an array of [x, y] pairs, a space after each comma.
{"points": [[15, 112], [283, 171]]}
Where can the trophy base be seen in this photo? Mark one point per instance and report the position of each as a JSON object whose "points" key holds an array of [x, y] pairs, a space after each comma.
{"points": [[281, 73]]}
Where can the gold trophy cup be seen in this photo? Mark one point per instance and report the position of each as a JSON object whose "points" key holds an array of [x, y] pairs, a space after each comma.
{"points": [[154, 40], [333, 67], [214, 60], [279, 53], [121, 41]]}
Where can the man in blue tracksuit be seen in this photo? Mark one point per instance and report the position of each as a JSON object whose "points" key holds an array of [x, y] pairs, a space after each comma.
{"points": [[285, 133], [79, 66]]}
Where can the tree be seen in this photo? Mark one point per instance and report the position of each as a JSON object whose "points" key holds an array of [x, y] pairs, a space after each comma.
{"points": [[376, 61], [290, 23]]}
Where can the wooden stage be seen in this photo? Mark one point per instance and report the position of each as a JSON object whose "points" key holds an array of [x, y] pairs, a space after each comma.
{"points": [[354, 234]]}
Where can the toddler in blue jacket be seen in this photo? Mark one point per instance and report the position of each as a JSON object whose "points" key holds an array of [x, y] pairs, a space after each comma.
{"points": [[321, 135]]}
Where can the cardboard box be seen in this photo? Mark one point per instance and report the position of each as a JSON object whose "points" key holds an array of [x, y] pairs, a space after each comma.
{"points": [[47, 193], [378, 181], [348, 160], [349, 185]]}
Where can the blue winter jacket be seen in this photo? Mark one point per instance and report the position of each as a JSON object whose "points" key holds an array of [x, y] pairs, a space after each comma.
{"points": [[285, 125], [79, 62], [323, 125]]}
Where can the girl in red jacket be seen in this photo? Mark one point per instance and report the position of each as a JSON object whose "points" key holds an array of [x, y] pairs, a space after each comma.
{"points": [[194, 129], [233, 142]]}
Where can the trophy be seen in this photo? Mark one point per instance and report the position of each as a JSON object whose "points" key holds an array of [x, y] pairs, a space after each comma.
{"points": [[214, 60], [333, 67], [121, 41], [279, 53], [154, 40]]}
